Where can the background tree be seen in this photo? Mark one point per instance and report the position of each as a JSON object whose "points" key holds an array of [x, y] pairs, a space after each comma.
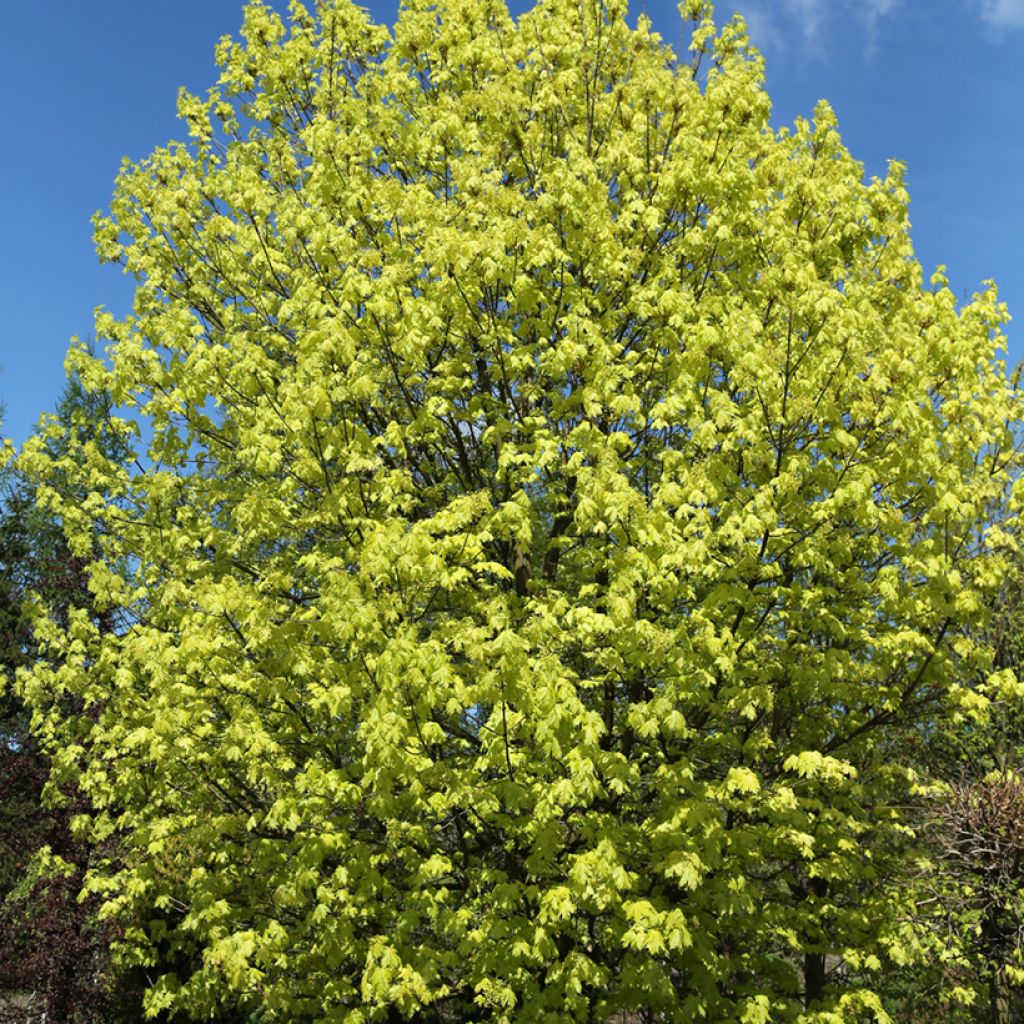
{"points": [[53, 949], [981, 882], [968, 872], [560, 492]]}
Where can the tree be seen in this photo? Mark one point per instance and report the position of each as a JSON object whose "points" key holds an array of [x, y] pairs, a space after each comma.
{"points": [[980, 890], [558, 492], [969, 870], [52, 946]]}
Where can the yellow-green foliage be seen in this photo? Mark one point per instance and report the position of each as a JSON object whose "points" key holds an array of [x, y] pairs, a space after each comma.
{"points": [[556, 492]]}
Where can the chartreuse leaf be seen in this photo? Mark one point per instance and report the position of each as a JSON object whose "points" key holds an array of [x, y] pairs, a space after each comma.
{"points": [[557, 491]]}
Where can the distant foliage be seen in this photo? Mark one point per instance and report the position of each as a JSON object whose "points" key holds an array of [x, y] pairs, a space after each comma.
{"points": [[54, 950]]}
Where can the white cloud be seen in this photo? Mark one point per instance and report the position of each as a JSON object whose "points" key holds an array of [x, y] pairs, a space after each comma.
{"points": [[1003, 13], [874, 12], [817, 23], [762, 28], [810, 16], [813, 30], [772, 24]]}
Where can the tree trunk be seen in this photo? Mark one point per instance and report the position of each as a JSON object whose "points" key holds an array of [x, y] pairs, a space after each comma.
{"points": [[814, 978], [814, 963], [998, 998]]}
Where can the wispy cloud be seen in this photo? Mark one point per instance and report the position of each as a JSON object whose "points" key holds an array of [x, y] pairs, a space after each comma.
{"points": [[777, 26], [811, 30], [810, 18], [1002, 13], [874, 12], [773, 24], [762, 27]]}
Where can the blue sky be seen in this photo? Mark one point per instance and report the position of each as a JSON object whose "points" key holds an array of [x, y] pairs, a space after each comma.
{"points": [[938, 84]]}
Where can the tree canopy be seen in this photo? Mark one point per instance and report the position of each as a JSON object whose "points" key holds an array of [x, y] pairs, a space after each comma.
{"points": [[558, 493]]}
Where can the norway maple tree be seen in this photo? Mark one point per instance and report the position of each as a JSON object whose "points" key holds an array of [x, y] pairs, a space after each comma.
{"points": [[557, 490]]}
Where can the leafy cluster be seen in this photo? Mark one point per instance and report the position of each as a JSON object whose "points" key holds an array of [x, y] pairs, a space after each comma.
{"points": [[556, 494]]}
